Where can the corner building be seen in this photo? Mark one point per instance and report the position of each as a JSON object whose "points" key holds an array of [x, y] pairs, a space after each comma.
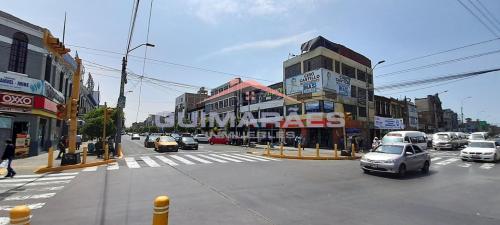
{"points": [[329, 77]]}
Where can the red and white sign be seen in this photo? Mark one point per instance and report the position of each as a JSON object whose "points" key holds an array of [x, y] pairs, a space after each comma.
{"points": [[12, 99], [45, 104]]}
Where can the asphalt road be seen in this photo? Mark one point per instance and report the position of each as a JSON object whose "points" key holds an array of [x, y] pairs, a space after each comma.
{"points": [[273, 192]]}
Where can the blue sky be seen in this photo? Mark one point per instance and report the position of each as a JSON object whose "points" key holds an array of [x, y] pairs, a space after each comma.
{"points": [[253, 38]]}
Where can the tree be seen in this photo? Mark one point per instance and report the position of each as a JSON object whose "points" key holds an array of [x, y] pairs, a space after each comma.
{"points": [[94, 124]]}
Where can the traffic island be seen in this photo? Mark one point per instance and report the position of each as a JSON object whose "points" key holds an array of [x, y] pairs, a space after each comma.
{"points": [[304, 153]]}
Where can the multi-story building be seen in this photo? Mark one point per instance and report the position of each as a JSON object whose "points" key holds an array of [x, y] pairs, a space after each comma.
{"points": [[187, 102], [450, 120], [390, 113], [430, 113], [89, 99], [35, 81], [411, 119], [329, 77], [222, 101]]}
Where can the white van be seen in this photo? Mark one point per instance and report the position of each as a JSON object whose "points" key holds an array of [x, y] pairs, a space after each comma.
{"points": [[445, 140], [478, 136], [415, 137]]}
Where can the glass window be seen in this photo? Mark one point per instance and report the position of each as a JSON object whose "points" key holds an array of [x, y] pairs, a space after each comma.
{"points": [[293, 109], [18, 53], [389, 149], [361, 75], [361, 93], [226, 102], [292, 70], [353, 91], [351, 111], [5, 122], [312, 107], [370, 95], [348, 71], [337, 67], [328, 106], [318, 62], [409, 149], [362, 111], [369, 77], [417, 149]]}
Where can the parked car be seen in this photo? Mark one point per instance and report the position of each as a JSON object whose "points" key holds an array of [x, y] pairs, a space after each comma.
{"points": [[186, 135], [177, 137], [188, 143], [397, 158], [136, 137], [481, 150], [445, 140], [218, 140], [201, 138], [149, 142], [413, 137], [166, 143], [463, 139]]}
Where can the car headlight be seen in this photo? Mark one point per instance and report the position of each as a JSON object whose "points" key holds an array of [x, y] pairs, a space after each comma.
{"points": [[488, 153], [389, 161], [363, 158]]}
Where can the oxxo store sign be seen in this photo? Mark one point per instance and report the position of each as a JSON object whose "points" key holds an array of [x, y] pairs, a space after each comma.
{"points": [[13, 102]]}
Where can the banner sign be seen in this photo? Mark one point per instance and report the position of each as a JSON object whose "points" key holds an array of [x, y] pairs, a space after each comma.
{"points": [[389, 123], [12, 99], [336, 82], [318, 80], [46, 104], [14, 82], [53, 94]]}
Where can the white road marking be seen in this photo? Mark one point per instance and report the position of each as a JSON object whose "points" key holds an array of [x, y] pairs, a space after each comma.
{"points": [[226, 158], [183, 160], [263, 157], [131, 163], [435, 159], [56, 188], [150, 161], [24, 197], [448, 161], [31, 206], [465, 165], [166, 160], [198, 159], [113, 166], [213, 159], [251, 157], [4, 220], [237, 157], [90, 169], [47, 175], [35, 179], [487, 166]]}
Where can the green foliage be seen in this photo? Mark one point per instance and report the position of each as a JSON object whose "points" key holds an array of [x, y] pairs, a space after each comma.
{"points": [[94, 124]]}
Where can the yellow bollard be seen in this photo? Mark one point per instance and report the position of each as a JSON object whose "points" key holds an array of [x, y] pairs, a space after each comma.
{"points": [[268, 149], [50, 158], [317, 150], [335, 154], [119, 150], [20, 215], [84, 157], [299, 151], [281, 149], [353, 151], [160, 210]]}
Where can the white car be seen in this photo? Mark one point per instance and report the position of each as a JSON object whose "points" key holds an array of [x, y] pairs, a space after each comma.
{"points": [[201, 138], [481, 150], [136, 137]]}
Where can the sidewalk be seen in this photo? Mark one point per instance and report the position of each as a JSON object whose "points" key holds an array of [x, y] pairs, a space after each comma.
{"points": [[306, 152]]}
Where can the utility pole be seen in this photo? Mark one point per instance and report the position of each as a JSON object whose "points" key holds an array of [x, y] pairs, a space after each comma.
{"points": [[75, 94], [119, 106]]}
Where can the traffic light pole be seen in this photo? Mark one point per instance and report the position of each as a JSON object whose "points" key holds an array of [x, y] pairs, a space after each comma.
{"points": [[75, 93], [120, 106]]}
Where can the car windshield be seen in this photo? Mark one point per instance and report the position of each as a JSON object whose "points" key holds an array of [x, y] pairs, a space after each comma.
{"points": [[188, 139], [389, 149], [392, 139], [476, 137], [152, 138], [166, 138], [442, 136], [482, 145], [200, 135], [175, 135]]}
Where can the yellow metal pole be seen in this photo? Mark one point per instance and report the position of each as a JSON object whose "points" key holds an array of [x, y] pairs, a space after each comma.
{"points": [[84, 158], [160, 210], [20, 215], [268, 149], [317, 150], [281, 149], [299, 151], [119, 150], [105, 122], [335, 152], [75, 95], [50, 162], [353, 151]]}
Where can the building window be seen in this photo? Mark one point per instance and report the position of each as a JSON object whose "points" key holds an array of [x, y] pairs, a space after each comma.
{"points": [[292, 70], [351, 111], [297, 108], [361, 93], [361, 75], [362, 111], [370, 95], [221, 105], [353, 91], [61, 78], [337, 67], [328, 106], [226, 102], [312, 107], [348, 71], [18, 53], [369, 77], [318, 62], [48, 68]]}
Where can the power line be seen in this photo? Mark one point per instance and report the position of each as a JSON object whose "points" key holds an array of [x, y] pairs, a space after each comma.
{"points": [[144, 61], [427, 87], [135, 9], [438, 53], [477, 17], [488, 12], [485, 16], [439, 63]]}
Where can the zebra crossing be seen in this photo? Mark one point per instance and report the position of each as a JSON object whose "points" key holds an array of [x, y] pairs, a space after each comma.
{"points": [[30, 190], [174, 160], [438, 162]]}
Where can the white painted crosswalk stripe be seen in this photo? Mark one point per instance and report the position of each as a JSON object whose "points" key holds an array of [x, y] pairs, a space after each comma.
{"points": [[25, 197], [113, 166], [183, 160], [90, 169], [36, 179], [131, 163], [448, 161], [4, 220], [150, 161], [263, 157], [56, 188], [239, 158], [212, 158], [487, 166], [465, 165], [435, 159], [31, 184], [198, 159], [47, 175], [166, 160], [225, 158], [31, 206], [251, 157]]}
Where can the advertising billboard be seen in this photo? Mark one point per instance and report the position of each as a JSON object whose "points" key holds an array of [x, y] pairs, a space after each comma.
{"points": [[318, 80], [389, 123], [14, 82]]}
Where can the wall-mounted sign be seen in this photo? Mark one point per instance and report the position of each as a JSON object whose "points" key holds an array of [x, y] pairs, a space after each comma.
{"points": [[14, 82], [44, 103], [13, 99], [318, 80], [53, 94], [336, 82], [389, 123]]}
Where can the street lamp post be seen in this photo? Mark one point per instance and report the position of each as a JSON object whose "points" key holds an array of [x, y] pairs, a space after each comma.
{"points": [[462, 110], [121, 98], [368, 89]]}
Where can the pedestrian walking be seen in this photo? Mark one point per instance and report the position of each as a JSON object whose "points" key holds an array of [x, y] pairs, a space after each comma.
{"points": [[8, 155], [375, 143], [78, 141], [62, 147]]}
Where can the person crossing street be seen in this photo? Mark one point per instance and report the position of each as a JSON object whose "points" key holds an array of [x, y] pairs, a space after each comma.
{"points": [[9, 156]]}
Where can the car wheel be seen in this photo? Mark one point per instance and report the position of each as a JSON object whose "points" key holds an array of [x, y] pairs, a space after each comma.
{"points": [[425, 169], [196, 148], [211, 143], [366, 171], [495, 158], [402, 170], [176, 150]]}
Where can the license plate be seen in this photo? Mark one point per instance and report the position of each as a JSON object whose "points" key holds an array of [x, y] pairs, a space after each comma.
{"points": [[476, 157], [374, 165]]}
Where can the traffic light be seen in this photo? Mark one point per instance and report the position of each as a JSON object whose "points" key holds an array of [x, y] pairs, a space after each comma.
{"points": [[61, 112]]}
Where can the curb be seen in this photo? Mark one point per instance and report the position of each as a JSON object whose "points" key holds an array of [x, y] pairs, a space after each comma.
{"points": [[306, 157], [69, 167]]}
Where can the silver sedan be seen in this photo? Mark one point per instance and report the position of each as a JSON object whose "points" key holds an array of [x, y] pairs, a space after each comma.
{"points": [[396, 158]]}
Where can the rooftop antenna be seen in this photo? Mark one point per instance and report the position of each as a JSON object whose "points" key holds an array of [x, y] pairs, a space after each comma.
{"points": [[64, 28]]}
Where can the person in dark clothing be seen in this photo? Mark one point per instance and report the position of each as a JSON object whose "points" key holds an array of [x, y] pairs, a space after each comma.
{"points": [[62, 147], [9, 156]]}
